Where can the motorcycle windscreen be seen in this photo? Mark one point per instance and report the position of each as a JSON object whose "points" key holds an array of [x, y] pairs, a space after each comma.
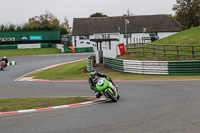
{"points": [[103, 86]]}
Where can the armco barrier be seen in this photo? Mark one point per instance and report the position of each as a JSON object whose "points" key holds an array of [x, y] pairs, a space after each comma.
{"points": [[11, 63], [184, 67], [67, 50], [146, 67], [154, 67], [26, 46], [79, 50], [115, 64], [90, 63], [45, 45], [8, 47]]}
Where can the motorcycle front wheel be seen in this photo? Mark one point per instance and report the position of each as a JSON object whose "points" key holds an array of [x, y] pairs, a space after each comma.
{"points": [[2, 67], [111, 96]]}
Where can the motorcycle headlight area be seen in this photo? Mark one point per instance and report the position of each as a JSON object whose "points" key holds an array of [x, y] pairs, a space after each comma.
{"points": [[100, 82]]}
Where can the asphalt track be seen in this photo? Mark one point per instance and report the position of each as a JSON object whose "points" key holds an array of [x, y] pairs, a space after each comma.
{"points": [[144, 106]]}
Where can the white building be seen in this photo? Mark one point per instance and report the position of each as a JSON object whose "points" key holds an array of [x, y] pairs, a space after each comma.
{"points": [[135, 28]]}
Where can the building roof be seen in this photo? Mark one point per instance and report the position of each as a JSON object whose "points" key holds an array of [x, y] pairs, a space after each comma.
{"points": [[152, 23]]}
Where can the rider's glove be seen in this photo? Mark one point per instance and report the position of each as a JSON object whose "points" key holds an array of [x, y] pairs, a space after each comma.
{"points": [[108, 78]]}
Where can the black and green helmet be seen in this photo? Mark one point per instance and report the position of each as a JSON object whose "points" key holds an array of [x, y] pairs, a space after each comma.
{"points": [[93, 72]]}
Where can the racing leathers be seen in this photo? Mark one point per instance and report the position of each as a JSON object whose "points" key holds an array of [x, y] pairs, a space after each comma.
{"points": [[92, 84], [5, 59]]}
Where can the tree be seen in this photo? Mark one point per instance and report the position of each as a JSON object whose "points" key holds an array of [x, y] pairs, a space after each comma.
{"points": [[65, 24], [8, 27], [98, 14], [187, 12], [46, 21]]}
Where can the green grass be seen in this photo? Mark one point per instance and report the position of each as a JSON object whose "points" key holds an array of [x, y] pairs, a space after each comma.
{"points": [[25, 52], [71, 71], [184, 38], [15, 104], [77, 71], [187, 37]]}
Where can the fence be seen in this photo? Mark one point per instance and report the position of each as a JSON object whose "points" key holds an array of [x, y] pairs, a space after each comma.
{"points": [[79, 50], [114, 64], [146, 67], [184, 67], [27, 46], [11, 63], [165, 50], [90, 63], [154, 67]]}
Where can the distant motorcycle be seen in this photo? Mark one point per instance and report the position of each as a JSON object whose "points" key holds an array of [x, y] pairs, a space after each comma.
{"points": [[3, 65], [102, 85]]}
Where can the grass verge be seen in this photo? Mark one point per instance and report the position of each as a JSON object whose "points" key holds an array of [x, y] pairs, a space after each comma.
{"points": [[77, 71], [15, 104], [186, 37], [24, 52]]}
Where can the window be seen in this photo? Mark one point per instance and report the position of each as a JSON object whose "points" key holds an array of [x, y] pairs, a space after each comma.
{"points": [[104, 36], [126, 35], [83, 37]]}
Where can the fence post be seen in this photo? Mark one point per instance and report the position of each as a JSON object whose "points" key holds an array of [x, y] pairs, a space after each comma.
{"points": [[134, 45], [193, 56], [177, 51], [143, 50], [154, 50], [164, 50]]}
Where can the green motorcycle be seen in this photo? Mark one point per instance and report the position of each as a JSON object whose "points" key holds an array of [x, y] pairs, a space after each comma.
{"points": [[103, 86]]}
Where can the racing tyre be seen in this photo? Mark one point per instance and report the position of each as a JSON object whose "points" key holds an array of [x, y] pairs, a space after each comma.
{"points": [[2, 68], [111, 96]]}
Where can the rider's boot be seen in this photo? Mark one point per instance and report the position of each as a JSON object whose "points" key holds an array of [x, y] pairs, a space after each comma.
{"points": [[98, 94]]}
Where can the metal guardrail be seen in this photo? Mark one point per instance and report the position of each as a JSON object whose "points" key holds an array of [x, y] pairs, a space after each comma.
{"points": [[154, 67], [146, 67], [114, 64], [90, 63], [184, 67], [11, 63]]}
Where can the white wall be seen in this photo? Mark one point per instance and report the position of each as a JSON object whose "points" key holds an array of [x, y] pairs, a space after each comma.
{"points": [[107, 52], [135, 38], [165, 34], [82, 43]]}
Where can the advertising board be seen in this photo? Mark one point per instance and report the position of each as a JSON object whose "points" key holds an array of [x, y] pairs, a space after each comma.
{"points": [[7, 39], [35, 37], [24, 38]]}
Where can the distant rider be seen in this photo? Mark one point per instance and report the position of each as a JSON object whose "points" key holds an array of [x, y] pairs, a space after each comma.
{"points": [[5, 59], [93, 75]]}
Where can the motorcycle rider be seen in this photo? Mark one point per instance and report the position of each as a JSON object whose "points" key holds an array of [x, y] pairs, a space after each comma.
{"points": [[93, 74], [5, 59]]}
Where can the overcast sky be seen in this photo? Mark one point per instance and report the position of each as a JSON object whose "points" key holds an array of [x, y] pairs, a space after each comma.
{"points": [[19, 11]]}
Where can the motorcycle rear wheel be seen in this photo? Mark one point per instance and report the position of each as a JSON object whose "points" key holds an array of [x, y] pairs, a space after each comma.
{"points": [[111, 96]]}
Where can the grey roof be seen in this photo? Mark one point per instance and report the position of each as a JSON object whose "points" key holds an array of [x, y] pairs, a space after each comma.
{"points": [[152, 23]]}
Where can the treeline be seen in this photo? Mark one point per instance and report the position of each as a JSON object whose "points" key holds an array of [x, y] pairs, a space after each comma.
{"points": [[45, 21], [187, 13]]}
